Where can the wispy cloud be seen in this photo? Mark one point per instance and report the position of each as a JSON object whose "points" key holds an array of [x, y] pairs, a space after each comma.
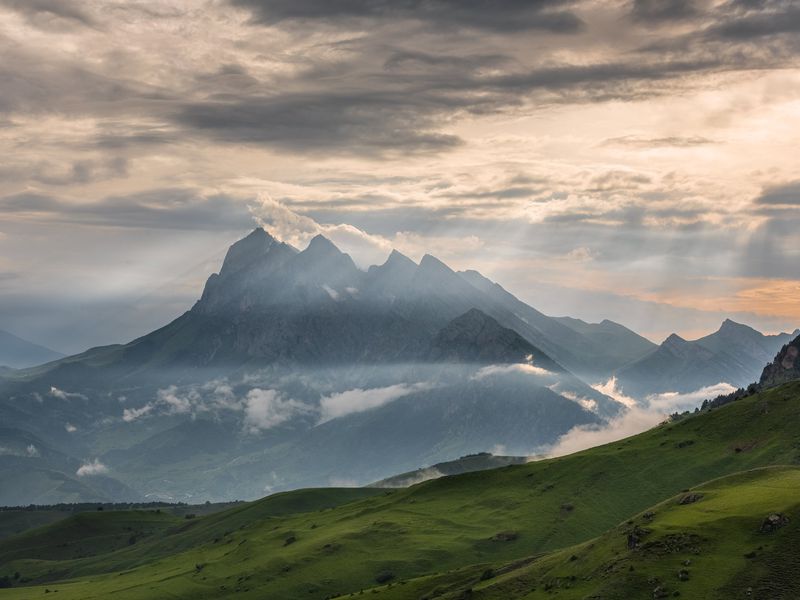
{"points": [[524, 368], [62, 395], [265, 409], [92, 467], [359, 400], [635, 419]]}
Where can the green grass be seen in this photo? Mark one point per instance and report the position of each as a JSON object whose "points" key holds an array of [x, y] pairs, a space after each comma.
{"points": [[717, 542], [443, 533], [14, 522]]}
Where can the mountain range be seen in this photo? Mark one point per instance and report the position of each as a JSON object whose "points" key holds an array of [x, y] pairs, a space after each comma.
{"points": [[735, 354], [296, 368]]}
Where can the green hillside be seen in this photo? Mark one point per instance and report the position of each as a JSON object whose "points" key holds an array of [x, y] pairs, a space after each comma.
{"points": [[720, 546], [292, 546]]}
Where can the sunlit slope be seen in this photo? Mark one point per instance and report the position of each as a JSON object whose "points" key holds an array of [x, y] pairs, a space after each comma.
{"points": [[738, 539], [489, 518]]}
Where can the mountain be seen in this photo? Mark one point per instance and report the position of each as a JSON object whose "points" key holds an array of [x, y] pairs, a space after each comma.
{"points": [[272, 304], [18, 353], [476, 337], [36, 473], [591, 351], [785, 367], [705, 506], [619, 344], [296, 368], [735, 354]]}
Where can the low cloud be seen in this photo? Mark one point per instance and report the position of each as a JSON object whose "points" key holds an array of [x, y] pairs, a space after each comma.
{"points": [[131, 414], [94, 467], [175, 403], [585, 403], [30, 451], [674, 401], [610, 389], [417, 477], [62, 395], [70, 428], [265, 409], [358, 400], [634, 420], [524, 368]]}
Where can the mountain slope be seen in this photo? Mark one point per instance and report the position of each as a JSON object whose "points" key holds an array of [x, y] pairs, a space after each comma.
{"points": [[472, 522], [466, 464], [722, 546], [36, 473], [734, 354], [592, 351], [18, 353], [618, 343], [785, 367], [476, 337]]}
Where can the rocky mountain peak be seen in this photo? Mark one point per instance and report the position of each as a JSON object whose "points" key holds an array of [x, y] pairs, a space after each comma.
{"points": [[432, 264], [398, 258], [785, 367], [674, 341], [732, 327], [247, 251], [319, 244]]}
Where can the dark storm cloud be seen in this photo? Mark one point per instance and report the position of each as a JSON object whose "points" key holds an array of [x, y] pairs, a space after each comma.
{"points": [[378, 98], [660, 11], [35, 10], [749, 20], [788, 194], [357, 123], [494, 15], [407, 59], [743, 33], [405, 116], [602, 75], [155, 209]]}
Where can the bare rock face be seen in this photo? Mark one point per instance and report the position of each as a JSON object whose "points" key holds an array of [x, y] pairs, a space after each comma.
{"points": [[773, 522], [690, 499], [785, 367]]}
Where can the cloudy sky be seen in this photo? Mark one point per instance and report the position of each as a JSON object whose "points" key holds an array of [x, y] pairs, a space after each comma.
{"points": [[630, 159]]}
